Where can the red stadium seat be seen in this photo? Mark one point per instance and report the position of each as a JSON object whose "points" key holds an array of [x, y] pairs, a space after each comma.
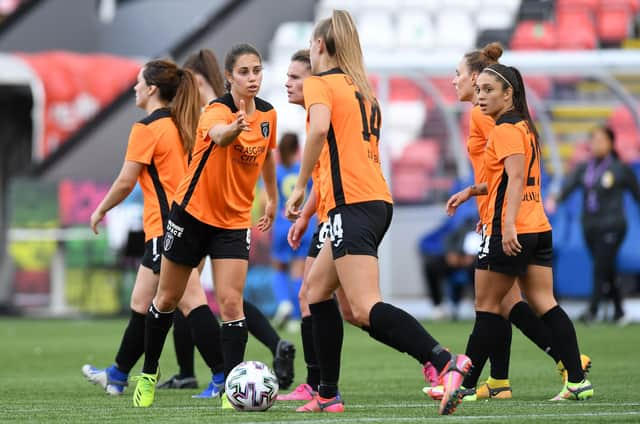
{"points": [[410, 184], [445, 88], [613, 24], [404, 89], [541, 85], [632, 6], [534, 35], [424, 153], [583, 5], [576, 36], [622, 120]]}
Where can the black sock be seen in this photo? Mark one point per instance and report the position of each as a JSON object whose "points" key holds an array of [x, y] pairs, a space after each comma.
{"points": [[132, 344], [401, 331], [565, 341], [157, 325], [313, 371], [183, 345], [500, 353], [260, 328], [523, 317], [234, 337], [328, 333], [478, 349], [205, 331]]}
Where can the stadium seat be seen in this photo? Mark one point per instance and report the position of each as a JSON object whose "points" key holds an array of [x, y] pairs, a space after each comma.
{"points": [[404, 89], [534, 35], [445, 88], [621, 120], [511, 5], [289, 37], [535, 10], [429, 6], [324, 8], [576, 36], [503, 36], [589, 6], [455, 30], [498, 18], [414, 30], [540, 84], [376, 31], [613, 25], [632, 6], [467, 6], [424, 153], [409, 184], [408, 116]]}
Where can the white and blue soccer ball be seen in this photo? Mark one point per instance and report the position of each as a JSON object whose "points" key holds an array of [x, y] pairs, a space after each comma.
{"points": [[251, 386]]}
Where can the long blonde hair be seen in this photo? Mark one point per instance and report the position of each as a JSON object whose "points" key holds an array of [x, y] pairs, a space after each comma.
{"points": [[340, 35]]}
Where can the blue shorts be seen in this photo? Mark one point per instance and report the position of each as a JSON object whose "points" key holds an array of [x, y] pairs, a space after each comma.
{"points": [[280, 249]]}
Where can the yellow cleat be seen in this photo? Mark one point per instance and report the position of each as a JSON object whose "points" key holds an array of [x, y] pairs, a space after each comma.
{"points": [[586, 367], [494, 389], [145, 390], [575, 391]]}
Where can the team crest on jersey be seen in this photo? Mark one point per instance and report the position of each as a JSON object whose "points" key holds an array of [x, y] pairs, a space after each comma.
{"points": [[264, 126], [168, 241]]}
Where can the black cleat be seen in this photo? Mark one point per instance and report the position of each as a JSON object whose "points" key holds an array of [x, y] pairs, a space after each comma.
{"points": [[175, 382], [283, 363]]}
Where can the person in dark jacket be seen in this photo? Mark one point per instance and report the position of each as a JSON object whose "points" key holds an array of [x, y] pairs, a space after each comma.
{"points": [[603, 179]]}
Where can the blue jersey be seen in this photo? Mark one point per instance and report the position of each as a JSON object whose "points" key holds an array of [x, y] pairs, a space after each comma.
{"points": [[286, 178]]}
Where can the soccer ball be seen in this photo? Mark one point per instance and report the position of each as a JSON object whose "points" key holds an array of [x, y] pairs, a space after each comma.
{"points": [[251, 386]]}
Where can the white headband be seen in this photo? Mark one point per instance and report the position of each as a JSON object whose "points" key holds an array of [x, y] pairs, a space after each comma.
{"points": [[498, 74]]}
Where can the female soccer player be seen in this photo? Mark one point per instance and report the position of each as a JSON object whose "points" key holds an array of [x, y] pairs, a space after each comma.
{"points": [[156, 156], [288, 264], [299, 70], [519, 232], [211, 212], [603, 179], [204, 66], [343, 113], [513, 308]]}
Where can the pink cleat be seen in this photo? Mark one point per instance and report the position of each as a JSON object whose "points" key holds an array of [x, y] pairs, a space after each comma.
{"points": [[302, 392], [452, 376], [431, 376], [319, 404]]}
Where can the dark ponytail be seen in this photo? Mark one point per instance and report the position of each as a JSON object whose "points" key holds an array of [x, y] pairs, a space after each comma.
{"points": [[510, 77], [611, 136]]}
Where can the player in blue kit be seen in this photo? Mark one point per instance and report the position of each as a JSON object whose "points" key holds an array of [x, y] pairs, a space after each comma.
{"points": [[288, 264]]}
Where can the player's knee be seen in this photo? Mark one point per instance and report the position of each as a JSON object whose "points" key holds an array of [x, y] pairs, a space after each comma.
{"points": [[358, 316], [166, 301], [230, 307]]}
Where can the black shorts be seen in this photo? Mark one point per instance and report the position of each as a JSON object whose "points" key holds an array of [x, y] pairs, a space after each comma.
{"points": [[358, 228], [187, 240], [319, 237], [153, 254], [537, 249]]}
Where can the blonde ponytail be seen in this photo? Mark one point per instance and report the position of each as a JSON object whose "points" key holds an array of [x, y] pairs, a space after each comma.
{"points": [[343, 43], [185, 109]]}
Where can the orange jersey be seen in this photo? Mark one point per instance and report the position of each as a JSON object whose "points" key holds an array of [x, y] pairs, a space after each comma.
{"points": [[219, 187], [511, 136], [321, 210], [154, 141], [479, 128], [351, 163]]}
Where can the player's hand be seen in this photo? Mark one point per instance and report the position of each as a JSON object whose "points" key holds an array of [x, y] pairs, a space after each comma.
{"points": [[294, 203], [296, 231], [265, 222], [550, 204], [241, 118], [479, 227], [456, 200], [96, 217], [510, 243]]}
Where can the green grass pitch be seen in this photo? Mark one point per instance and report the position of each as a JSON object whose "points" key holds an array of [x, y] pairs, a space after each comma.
{"points": [[40, 380]]}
